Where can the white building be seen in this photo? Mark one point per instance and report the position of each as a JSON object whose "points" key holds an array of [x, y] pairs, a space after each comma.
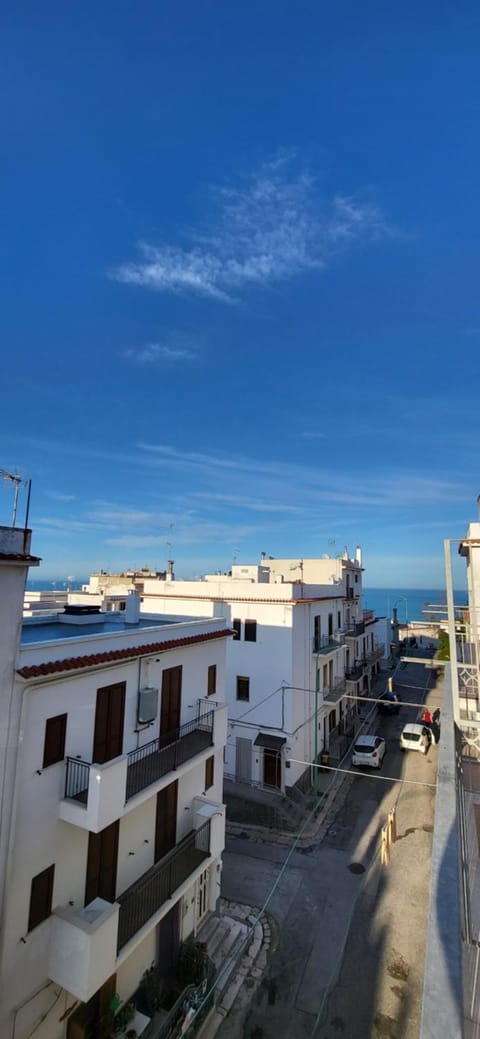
{"points": [[112, 824], [469, 548], [303, 649]]}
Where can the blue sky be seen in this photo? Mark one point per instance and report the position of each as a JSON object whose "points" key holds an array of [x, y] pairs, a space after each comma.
{"points": [[239, 266]]}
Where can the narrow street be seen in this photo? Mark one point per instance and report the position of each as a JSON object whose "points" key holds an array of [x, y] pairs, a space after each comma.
{"points": [[350, 936]]}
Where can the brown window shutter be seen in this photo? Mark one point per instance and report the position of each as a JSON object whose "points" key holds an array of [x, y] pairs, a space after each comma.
{"points": [[209, 772], [212, 680], [54, 745], [41, 893]]}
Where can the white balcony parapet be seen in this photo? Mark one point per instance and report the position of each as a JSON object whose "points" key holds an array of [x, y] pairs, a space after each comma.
{"points": [[94, 794], [215, 812], [83, 947]]}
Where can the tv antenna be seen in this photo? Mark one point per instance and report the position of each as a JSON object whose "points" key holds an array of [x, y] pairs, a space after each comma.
{"points": [[16, 479]]}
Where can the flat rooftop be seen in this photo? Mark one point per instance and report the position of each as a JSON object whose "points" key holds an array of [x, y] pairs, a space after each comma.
{"points": [[49, 629]]}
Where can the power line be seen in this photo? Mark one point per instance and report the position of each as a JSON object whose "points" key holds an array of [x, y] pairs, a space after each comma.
{"points": [[366, 775]]}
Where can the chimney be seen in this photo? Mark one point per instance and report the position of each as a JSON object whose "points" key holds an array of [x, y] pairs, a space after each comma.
{"points": [[358, 555], [132, 608], [170, 573]]}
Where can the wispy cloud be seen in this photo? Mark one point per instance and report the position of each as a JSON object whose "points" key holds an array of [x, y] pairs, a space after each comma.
{"points": [[173, 349], [270, 228], [59, 496]]}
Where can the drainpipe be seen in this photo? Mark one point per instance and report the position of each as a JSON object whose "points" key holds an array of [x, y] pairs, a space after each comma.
{"points": [[315, 715]]}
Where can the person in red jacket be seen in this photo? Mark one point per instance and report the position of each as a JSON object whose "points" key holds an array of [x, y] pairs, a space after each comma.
{"points": [[427, 718]]}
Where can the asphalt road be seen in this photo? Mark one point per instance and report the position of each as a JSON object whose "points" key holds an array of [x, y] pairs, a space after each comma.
{"points": [[350, 940]]}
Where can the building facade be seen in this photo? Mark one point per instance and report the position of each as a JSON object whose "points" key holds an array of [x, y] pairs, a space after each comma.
{"points": [[303, 651], [113, 824]]}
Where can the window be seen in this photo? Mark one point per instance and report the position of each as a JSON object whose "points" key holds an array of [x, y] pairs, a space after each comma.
{"points": [[212, 680], [209, 772], [339, 620], [41, 897], [237, 627], [54, 745], [250, 631], [243, 688]]}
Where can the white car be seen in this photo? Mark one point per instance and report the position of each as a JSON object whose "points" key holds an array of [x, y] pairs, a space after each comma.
{"points": [[369, 750], [415, 736]]}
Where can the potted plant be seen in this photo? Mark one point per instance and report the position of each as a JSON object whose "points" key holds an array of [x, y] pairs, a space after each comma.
{"points": [[122, 1019], [150, 993]]}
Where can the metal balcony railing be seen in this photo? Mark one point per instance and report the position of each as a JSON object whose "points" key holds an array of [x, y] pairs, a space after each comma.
{"points": [[149, 763], [354, 629], [76, 780], [333, 693], [140, 901], [327, 643], [356, 671], [375, 654], [165, 754]]}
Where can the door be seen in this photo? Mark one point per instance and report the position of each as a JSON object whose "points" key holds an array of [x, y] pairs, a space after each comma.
{"points": [[168, 933], [272, 768], [93, 1020], [109, 718], [203, 885], [101, 879], [243, 759], [166, 820], [171, 701]]}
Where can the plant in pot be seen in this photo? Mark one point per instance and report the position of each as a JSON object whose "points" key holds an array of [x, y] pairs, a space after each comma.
{"points": [[122, 1019], [150, 993]]}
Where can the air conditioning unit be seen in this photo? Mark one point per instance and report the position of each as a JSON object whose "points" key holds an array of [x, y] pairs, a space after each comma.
{"points": [[147, 708]]}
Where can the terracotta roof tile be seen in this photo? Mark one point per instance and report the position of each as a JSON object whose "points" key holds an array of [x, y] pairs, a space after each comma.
{"points": [[54, 667]]}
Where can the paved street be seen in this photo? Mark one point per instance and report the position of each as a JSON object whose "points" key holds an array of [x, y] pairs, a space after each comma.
{"points": [[349, 957]]}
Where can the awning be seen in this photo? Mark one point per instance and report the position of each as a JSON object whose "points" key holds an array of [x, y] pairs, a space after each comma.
{"points": [[264, 739]]}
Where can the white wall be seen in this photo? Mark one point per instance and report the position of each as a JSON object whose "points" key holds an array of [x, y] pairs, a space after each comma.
{"points": [[42, 839]]}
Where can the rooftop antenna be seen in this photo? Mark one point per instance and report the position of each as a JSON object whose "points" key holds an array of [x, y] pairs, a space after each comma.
{"points": [[16, 480], [235, 555], [170, 560]]}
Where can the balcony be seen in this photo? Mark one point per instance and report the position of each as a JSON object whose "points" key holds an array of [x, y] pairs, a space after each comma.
{"points": [[328, 643], [166, 754], [148, 894], [368, 615], [355, 672], [96, 795], [355, 629], [334, 692], [85, 944], [375, 654]]}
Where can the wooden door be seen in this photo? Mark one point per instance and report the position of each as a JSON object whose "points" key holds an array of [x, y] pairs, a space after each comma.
{"points": [[171, 701], [272, 769], [92, 1020], [168, 942], [166, 820], [101, 879], [109, 719]]}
